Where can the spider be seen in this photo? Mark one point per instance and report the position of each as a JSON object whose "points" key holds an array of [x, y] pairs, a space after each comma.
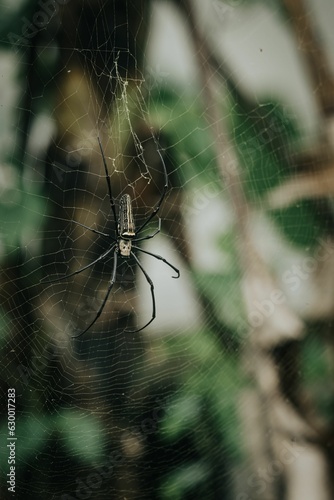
{"points": [[122, 245]]}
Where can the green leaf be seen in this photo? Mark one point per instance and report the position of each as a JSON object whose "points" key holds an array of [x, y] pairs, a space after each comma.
{"points": [[182, 415], [83, 435], [301, 223], [184, 480]]}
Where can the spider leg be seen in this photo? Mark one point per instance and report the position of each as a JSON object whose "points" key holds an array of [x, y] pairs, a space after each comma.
{"points": [[163, 194], [101, 257], [150, 235], [150, 282], [159, 258], [99, 312], [93, 230], [111, 198]]}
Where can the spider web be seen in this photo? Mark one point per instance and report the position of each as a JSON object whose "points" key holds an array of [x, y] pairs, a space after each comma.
{"points": [[160, 413]]}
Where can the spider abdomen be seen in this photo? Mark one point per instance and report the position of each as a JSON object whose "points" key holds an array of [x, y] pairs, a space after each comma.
{"points": [[126, 225]]}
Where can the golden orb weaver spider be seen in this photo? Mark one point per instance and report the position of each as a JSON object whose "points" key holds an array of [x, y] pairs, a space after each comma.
{"points": [[122, 244]]}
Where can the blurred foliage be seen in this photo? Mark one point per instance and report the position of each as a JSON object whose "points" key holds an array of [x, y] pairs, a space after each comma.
{"points": [[20, 218], [316, 372], [197, 443], [209, 385], [265, 136], [200, 422]]}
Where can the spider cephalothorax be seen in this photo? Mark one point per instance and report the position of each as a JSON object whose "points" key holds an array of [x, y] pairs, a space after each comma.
{"points": [[122, 242]]}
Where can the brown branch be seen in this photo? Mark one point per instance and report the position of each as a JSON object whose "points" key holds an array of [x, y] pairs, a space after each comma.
{"points": [[308, 43]]}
